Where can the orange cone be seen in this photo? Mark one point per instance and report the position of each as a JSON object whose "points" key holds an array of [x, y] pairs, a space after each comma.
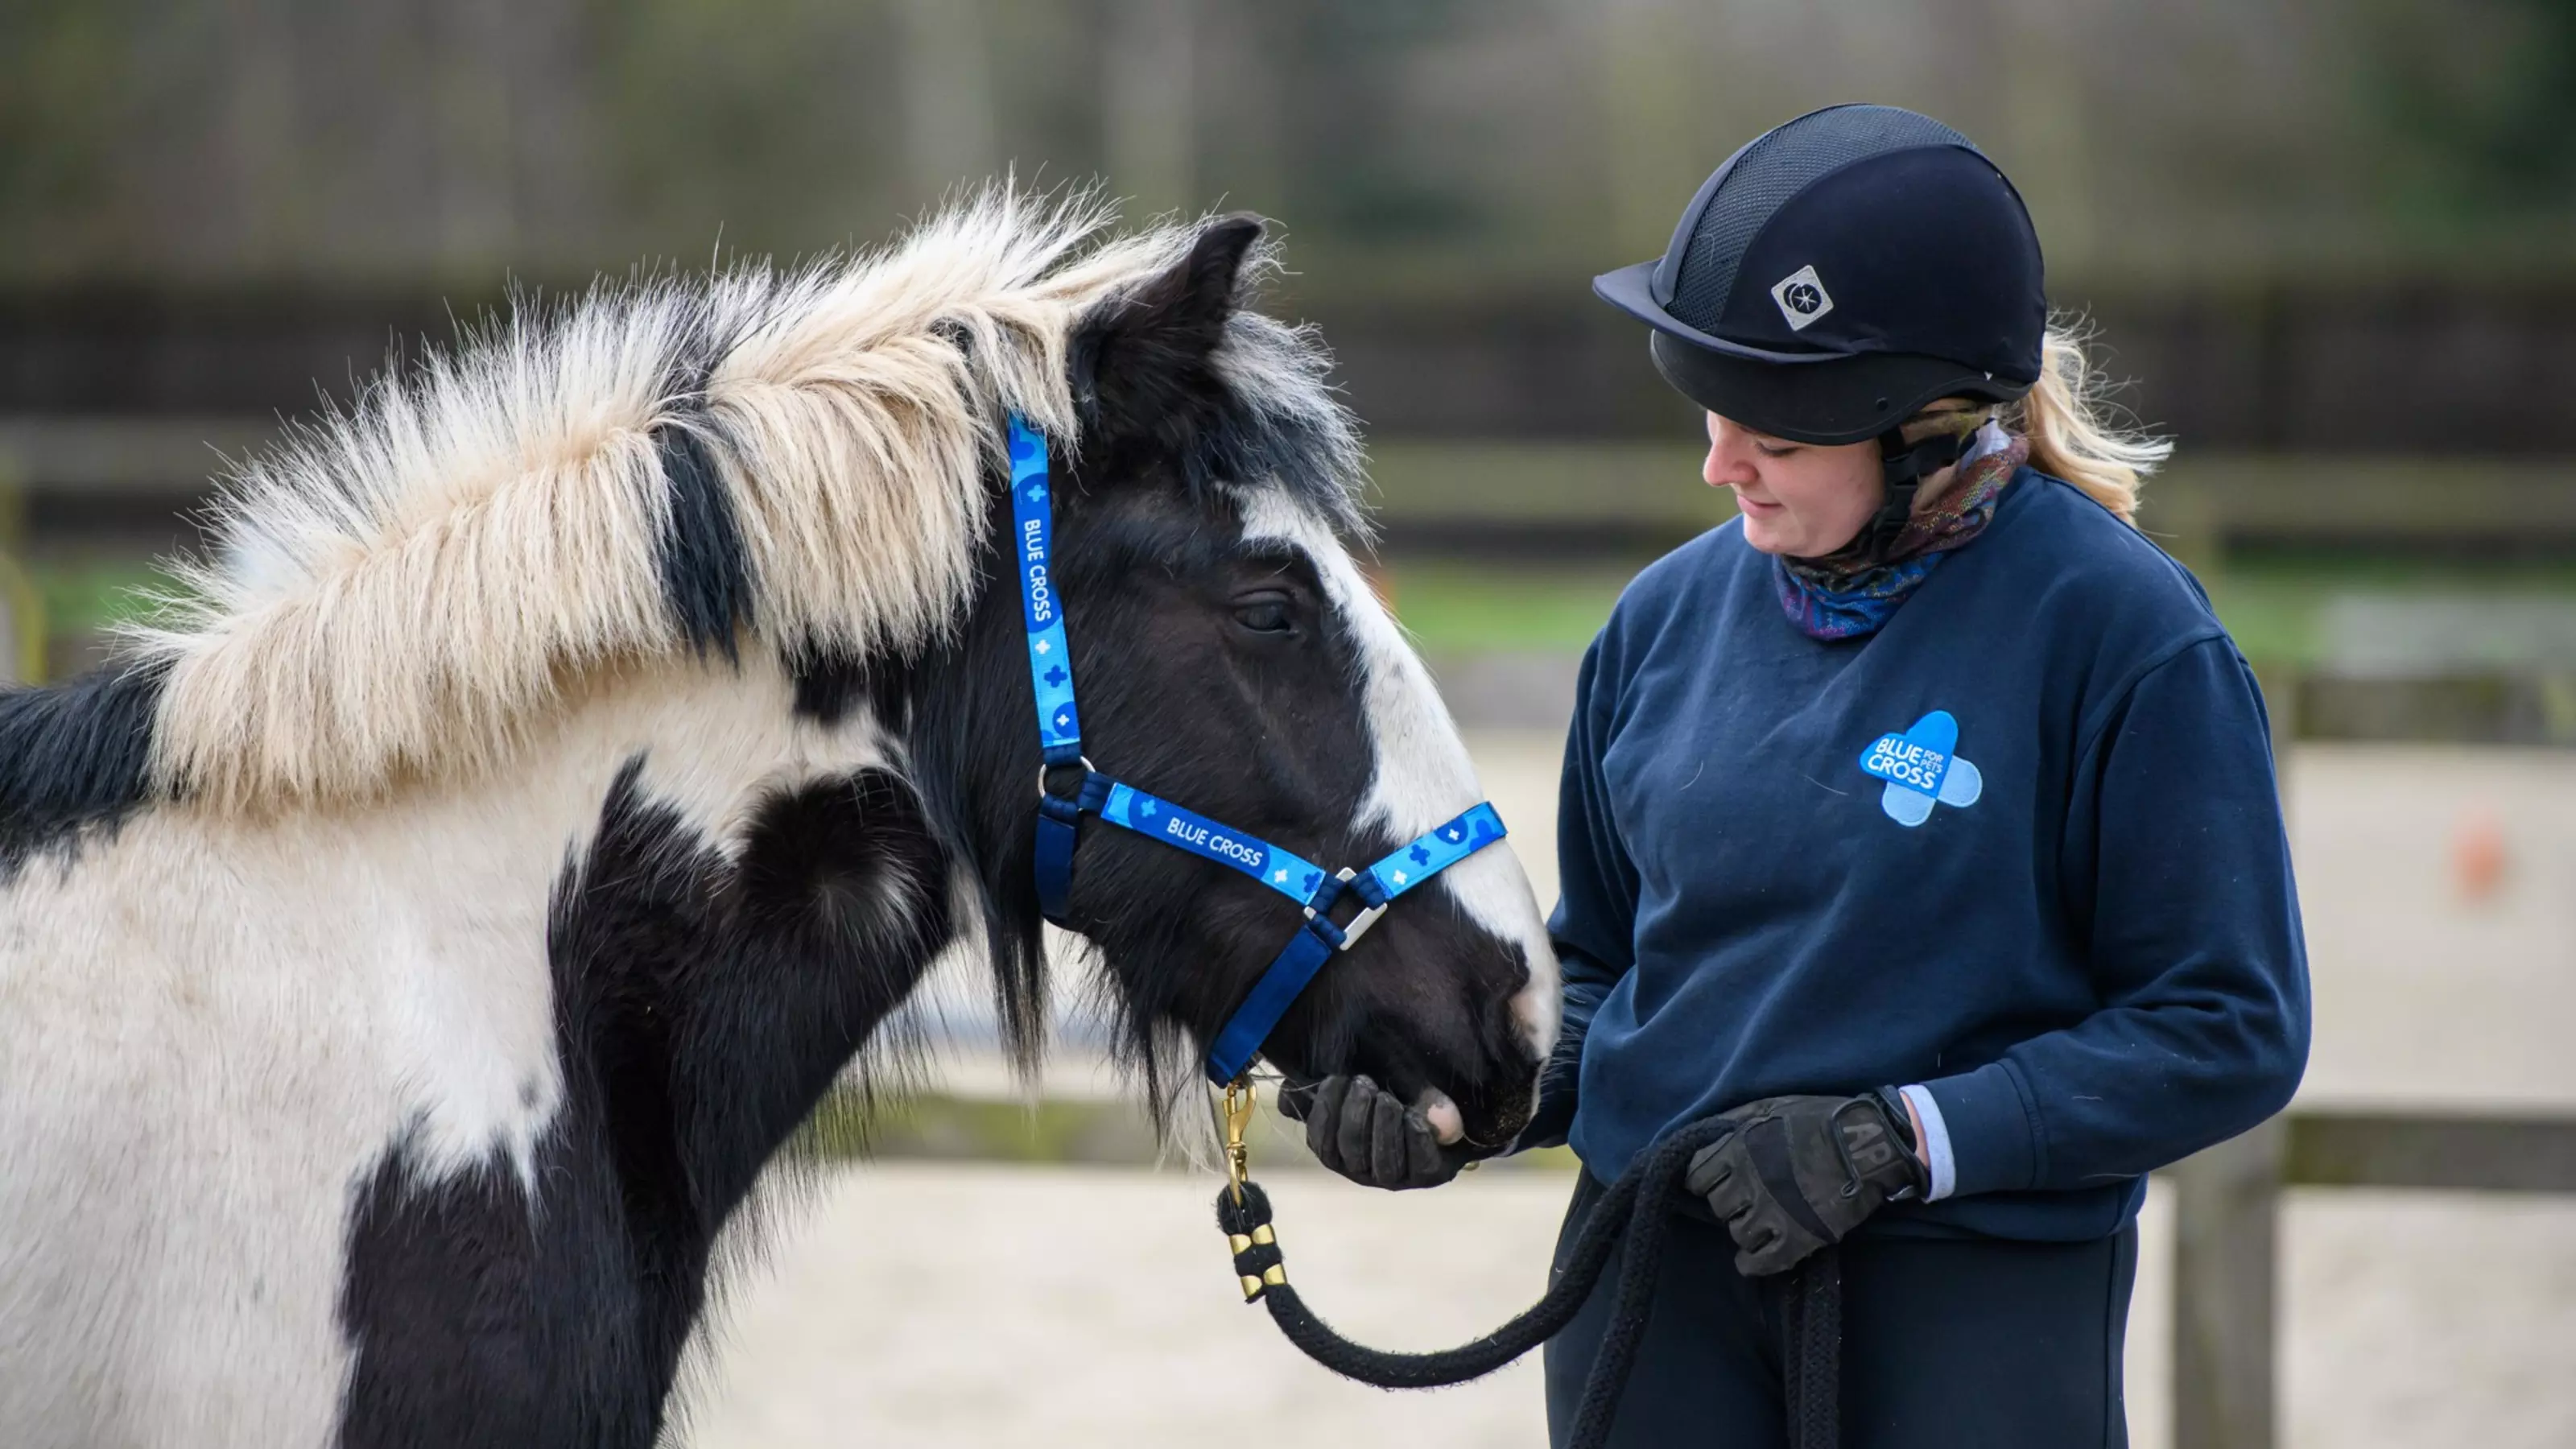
{"points": [[2478, 856]]}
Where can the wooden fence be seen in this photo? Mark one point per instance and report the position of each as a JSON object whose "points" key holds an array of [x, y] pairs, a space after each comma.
{"points": [[22, 619], [2227, 1203], [2226, 1325]]}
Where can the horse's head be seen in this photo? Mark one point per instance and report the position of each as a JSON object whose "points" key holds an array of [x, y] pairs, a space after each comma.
{"points": [[1232, 658]]}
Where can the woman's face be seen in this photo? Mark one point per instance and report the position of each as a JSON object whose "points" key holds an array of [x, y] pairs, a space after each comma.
{"points": [[1802, 499]]}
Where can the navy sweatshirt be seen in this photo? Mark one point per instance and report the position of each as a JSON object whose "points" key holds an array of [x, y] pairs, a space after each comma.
{"points": [[2019, 851]]}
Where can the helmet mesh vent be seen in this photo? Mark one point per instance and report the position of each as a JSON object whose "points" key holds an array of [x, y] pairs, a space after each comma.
{"points": [[1774, 169]]}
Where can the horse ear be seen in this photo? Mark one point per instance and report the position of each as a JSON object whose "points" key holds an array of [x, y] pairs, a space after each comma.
{"points": [[1140, 364], [1187, 306]]}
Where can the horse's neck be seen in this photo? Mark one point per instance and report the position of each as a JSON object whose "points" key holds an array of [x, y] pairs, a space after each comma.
{"points": [[666, 924], [756, 892]]}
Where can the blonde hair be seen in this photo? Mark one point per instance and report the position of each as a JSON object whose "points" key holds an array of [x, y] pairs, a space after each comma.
{"points": [[2064, 416]]}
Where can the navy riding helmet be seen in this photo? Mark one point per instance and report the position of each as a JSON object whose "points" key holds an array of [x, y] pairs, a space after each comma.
{"points": [[1839, 272]]}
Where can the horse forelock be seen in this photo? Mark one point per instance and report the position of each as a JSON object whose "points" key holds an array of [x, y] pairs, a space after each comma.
{"points": [[792, 459]]}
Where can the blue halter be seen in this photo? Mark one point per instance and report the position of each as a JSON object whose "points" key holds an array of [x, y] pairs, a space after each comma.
{"points": [[1125, 806]]}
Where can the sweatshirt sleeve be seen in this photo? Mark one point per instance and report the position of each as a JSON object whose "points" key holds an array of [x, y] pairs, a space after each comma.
{"points": [[1594, 926], [2178, 879]]}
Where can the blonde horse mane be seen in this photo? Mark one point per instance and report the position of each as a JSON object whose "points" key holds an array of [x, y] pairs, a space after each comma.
{"points": [[403, 586]]}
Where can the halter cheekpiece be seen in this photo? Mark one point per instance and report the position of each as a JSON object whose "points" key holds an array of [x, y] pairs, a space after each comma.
{"points": [[1315, 891]]}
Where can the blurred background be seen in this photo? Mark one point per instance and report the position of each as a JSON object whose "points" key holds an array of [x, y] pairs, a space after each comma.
{"points": [[2331, 244]]}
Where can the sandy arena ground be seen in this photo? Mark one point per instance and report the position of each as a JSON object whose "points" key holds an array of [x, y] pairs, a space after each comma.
{"points": [[944, 1305]]}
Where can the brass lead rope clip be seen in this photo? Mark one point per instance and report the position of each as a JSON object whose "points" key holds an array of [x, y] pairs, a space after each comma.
{"points": [[1239, 1102], [1240, 1098]]}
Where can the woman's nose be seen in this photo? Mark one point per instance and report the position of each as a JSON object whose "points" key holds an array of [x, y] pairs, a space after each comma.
{"points": [[1724, 467]]}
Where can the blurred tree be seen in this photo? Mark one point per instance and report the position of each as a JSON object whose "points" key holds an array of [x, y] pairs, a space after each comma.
{"points": [[1410, 144], [64, 69], [2476, 100], [762, 123], [1370, 161], [1149, 101], [947, 79]]}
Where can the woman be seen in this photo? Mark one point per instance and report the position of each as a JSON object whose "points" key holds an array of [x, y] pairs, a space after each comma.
{"points": [[1921, 821]]}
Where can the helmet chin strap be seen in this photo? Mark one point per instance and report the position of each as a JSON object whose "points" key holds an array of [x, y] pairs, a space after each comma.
{"points": [[1902, 467]]}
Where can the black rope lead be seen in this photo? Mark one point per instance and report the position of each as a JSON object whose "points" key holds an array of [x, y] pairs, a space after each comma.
{"points": [[1812, 1324], [1637, 1205]]}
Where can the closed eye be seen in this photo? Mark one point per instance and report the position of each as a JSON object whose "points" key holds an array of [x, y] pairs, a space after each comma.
{"points": [[1269, 612]]}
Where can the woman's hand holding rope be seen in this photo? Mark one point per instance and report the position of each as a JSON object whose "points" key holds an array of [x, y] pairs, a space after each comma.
{"points": [[1800, 1173]]}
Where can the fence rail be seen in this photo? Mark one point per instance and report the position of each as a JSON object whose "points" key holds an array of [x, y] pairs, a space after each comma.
{"points": [[2227, 1234]]}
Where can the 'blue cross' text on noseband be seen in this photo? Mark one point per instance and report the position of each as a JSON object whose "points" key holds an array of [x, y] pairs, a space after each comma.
{"points": [[1060, 816]]}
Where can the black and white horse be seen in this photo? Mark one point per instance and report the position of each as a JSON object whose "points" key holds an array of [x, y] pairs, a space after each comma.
{"points": [[411, 957]]}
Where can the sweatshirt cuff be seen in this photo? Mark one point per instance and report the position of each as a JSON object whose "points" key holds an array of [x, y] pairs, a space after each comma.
{"points": [[1935, 1146], [1986, 1129]]}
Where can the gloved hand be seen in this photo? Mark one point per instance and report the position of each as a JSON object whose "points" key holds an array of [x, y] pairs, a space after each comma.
{"points": [[1367, 1135], [1801, 1172]]}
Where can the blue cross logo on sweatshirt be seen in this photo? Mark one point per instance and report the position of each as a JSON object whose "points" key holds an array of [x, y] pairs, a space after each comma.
{"points": [[1922, 767]]}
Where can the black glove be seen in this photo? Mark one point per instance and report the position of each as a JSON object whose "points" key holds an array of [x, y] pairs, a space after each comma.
{"points": [[1368, 1136], [1801, 1172]]}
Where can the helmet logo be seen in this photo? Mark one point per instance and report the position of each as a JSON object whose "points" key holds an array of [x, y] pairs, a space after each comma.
{"points": [[1802, 299]]}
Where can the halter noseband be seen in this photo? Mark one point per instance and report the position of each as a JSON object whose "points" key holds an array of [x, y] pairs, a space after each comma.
{"points": [[1060, 816]]}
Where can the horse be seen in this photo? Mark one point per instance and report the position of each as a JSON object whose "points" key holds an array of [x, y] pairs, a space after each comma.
{"points": [[418, 941]]}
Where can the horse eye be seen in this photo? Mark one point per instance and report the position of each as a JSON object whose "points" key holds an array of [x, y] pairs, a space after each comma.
{"points": [[1264, 613]]}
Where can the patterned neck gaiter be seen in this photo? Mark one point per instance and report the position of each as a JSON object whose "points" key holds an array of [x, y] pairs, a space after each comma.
{"points": [[1842, 596]]}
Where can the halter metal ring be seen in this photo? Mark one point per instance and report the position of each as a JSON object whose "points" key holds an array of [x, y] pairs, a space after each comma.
{"points": [[1360, 923], [1043, 767]]}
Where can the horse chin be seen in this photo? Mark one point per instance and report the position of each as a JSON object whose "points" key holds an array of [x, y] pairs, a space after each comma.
{"points": [[1492, 1139], [1492, 1120]]}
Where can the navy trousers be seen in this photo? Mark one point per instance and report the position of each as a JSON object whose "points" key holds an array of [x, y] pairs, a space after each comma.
{"points": [[1946, 1342]]}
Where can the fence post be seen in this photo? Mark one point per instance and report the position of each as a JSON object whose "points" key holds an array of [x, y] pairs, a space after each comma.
{"points": [[2225, 1324], [2226, 1236], [2279, 683], [22, 627]]}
